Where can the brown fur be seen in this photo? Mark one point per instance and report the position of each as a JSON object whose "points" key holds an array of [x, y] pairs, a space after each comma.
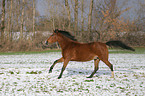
{"points": [[75, 51]]}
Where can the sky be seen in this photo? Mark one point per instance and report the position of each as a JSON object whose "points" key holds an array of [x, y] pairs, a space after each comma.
{"points": [[131, 14]]}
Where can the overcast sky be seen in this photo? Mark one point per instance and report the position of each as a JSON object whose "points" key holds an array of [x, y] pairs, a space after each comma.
{"points": [[131, 14]]}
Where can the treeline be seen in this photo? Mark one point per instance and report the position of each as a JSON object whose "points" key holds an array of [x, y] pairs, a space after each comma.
{"points": [[88, 20]]}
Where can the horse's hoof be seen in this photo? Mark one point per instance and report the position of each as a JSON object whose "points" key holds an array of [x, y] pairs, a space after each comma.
{"points": [[50, 71], [59, 77], [89, 77]]}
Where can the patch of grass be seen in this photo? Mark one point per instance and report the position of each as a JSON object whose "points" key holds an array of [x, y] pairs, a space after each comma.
{"points": [[18, 78], [34, 72], [112, 85], [20, 89], [37, 91], [18, 72], [89, 80], [98, 87], [15, 83], [29, 52], [11, 72], [76, 83], [120, 87], [105, 89], [125, 80], [138, 50], [60, 91], [1, 73]]}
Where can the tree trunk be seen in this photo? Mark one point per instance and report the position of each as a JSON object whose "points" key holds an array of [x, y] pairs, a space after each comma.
{"points": [[90, 19], [9, 20], [18, 15], [68, 13], [3, 21], [76, 16], [82, 16], [34, 11], [22, 21]]}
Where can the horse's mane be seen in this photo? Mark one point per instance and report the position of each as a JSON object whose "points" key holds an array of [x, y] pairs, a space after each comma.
{"points": [[65, 33]]}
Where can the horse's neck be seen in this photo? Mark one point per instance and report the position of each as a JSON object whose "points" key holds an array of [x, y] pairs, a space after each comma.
{"points": [[64, 42]]}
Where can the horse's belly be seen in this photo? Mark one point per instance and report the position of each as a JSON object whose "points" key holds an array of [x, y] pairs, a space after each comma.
{"points": [[83, 53], [83, 58]]}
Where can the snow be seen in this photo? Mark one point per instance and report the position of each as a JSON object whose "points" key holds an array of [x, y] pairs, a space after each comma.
{"points": [[28, 75]]}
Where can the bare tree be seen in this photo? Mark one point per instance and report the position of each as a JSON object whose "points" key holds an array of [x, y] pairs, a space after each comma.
{"points": [[17, 15], [141, 15], [34, 17], [90, 17], [3, 20], [9, 21], [68, 13], [22, 20], [76, 16], [82, 15]]}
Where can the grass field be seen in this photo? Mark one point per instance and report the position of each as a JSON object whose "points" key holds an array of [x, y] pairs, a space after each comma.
{"points": [[26, 74], [138, 50]]}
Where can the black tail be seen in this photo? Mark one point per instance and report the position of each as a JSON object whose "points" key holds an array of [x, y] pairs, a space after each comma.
{"points": [[119, 44]]}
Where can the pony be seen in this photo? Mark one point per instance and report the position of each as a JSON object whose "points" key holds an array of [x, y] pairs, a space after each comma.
{"points": [[72, 50]]}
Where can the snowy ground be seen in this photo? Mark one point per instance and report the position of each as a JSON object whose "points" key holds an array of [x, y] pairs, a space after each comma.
{"points": [[27, 75]]}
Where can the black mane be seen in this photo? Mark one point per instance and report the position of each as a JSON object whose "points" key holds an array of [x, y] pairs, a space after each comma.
{"points": [[67, 34]]}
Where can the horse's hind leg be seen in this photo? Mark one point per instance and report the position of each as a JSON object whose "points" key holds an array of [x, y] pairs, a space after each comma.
{"points": [[110, 66], [56, 61], [96, 67]]}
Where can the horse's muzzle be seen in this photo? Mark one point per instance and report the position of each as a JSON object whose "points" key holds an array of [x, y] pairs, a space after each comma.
{"points": [[46, 42]]}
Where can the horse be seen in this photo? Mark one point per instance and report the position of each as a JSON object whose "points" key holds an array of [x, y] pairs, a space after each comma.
{"points": [[72, 50]]}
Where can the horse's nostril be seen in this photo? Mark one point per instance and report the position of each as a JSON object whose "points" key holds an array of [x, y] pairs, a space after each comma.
{"points": [[46, 42]]}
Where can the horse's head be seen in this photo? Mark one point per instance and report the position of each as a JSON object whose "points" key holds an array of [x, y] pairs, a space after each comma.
{"points": [[52, 38]]}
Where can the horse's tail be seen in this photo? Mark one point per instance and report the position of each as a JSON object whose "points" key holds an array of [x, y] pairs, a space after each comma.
{"points": [[119, 44]]}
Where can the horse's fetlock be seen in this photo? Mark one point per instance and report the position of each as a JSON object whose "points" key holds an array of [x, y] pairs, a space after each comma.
{"points": [[111, 67]]}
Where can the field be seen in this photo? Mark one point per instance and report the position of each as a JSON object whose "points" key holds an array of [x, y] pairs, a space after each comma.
{"points": [[27, 75]]}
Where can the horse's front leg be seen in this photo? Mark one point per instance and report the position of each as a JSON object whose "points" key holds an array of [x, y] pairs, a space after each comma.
{"points": [[96, 67], [56, 61], [63, 68]]}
